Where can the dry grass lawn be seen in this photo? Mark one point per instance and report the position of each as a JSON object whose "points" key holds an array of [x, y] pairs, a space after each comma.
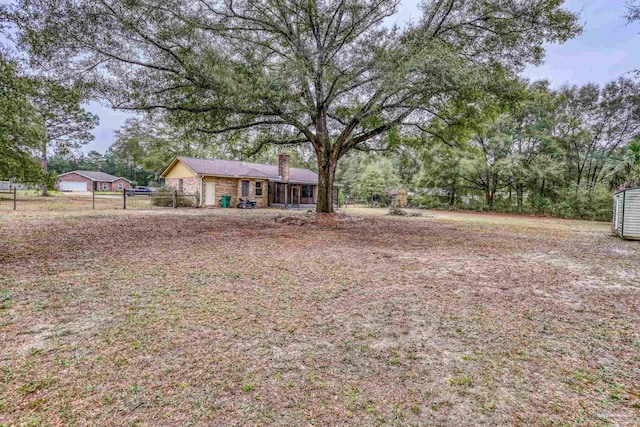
{"points": [[228, 317]]}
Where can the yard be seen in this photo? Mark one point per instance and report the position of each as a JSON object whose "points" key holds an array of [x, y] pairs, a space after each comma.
{"points": [[30, 201], [228, 317]]}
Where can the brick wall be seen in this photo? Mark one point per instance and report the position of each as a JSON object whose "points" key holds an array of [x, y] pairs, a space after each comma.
{"points": [[189, 185], [261, 201], [114, 185], [111, 186], [74, 177], [227, 187], [223, 187], [284, 169], [233, 187]]}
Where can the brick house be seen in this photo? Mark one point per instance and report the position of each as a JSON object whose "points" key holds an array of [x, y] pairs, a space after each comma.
{"points": [[91, 180], [268, 185]]}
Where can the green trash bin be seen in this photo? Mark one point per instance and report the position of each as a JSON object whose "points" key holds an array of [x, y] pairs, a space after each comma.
{"points": [[226, 201]]}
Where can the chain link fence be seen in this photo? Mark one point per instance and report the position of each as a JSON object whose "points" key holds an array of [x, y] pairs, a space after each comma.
{"points": [[159, 199], [23, 198], [8, 198]]}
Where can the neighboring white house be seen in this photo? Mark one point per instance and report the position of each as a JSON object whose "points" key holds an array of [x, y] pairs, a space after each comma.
{"points": [[626, 213]]}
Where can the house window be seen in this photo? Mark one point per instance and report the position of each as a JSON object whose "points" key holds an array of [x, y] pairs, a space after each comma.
{"points": [[258, 188], [245, 188], [307, 191], [120, 186], [105, 186], [180, 185]]}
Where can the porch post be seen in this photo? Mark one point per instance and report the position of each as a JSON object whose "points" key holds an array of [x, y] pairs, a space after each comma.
{"points": [[286, 194]]}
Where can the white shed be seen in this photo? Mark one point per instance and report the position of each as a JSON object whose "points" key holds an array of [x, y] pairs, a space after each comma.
{"points": [[626, 213]]}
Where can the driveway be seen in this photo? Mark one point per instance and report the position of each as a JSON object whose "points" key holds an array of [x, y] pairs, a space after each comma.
{"points": [[77, 193], [89, 194]]}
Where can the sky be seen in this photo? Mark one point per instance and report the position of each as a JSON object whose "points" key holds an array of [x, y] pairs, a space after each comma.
{"points": [[607, 49]]}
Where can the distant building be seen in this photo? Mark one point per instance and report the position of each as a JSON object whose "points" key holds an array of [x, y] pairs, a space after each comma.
{"points": [[398, 197], [91, 180], [626, 213]]}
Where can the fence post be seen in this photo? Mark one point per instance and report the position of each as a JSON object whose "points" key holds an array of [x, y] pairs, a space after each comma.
{"points": [[124, 199], [15, 193], [175, 196]]}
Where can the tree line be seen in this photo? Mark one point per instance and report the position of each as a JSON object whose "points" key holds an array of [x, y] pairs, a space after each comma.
{"points": [[553, 151], [331, 76]]}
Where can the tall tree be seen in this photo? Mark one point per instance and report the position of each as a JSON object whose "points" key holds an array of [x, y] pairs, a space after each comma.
{"points": [[593, 122], [625, 169], [376, 179], [442, 170], [633, 10], [349, 171], [129, 145], [529, 129], [67, 125], [324, 73], [487, 162], [20, 126]]}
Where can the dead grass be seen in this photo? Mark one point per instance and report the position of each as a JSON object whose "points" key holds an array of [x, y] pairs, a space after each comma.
{"points": [[227, 317], [29, 202]]}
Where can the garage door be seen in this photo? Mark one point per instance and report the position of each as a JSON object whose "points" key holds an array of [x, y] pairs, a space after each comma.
{"points": [[73, 186]]}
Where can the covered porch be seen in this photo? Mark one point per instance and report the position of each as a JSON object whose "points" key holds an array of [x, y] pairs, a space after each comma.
{"points": [[295, 195], [292, 194]]}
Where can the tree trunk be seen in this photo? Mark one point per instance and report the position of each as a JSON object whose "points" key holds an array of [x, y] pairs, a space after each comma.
{"points": [[520, 197], [44, 162], [326, 175], [490, 198]]}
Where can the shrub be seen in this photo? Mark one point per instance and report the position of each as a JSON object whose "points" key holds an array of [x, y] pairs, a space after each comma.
{"points": [[594, 205], [428, 201], [395, 210]]}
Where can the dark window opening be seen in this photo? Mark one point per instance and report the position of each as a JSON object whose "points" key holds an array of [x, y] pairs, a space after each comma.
{"points": [[245, 188], [307, 191], [258, 188]]}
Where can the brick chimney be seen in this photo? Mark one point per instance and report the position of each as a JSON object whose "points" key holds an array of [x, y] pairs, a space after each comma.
{"points": [[283, 167]]}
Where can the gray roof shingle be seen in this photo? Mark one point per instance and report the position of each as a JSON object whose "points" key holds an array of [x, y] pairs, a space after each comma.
{"points": [[235, 168], [95, 175]]}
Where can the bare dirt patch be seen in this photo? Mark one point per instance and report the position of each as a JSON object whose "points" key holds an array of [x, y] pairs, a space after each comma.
{"points": [[265, 318]]}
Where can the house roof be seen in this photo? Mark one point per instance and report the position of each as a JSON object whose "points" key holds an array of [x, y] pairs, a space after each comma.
{"points": [[235, 168], [622, 190], [95, 176], [396, 191]]}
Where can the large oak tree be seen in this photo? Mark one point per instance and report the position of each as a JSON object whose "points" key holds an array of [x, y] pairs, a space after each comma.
{"points": [[329, 73]]}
